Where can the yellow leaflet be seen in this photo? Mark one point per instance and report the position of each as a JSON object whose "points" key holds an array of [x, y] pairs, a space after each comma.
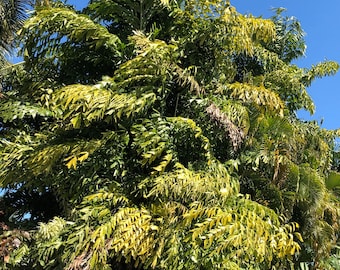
{"points": [[72, 162], [84, 156]]}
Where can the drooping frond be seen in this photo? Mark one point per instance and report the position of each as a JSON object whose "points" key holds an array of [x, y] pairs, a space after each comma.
{"points": [[187, 186], [257, 95], [221, 230], [287, 82], [128, 233], [54, 25], [268, 59], [82, 104], [250, 31], [11, 110], [12, 153], [49, 241], [235, 134], [152, 140], [156, 63], [42, 161], [72, 153], [160, 142], [289, 41], [50, 153], [235, 111], [320, 70]]}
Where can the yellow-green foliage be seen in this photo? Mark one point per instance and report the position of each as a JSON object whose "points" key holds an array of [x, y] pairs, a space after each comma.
{"points": [[178, 148], [65, 22]]}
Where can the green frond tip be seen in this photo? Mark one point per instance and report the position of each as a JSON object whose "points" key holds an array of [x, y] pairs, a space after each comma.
{"points": [[320, 70], [50, 230], [16, 110], [12, 154], [112, 199]]}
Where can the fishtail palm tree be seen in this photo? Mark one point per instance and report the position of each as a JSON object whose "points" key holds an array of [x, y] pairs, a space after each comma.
{"points": [[153, 145]]}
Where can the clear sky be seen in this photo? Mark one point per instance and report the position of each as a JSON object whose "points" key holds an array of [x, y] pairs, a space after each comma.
{"points": [[321, 23]]}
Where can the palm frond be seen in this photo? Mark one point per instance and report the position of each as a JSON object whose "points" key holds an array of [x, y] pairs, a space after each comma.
{"points": [[54, 25], [11, 110], [82, 105], [235, 134], [134, 15], [257, 95], [12, 15], [180, 184]]}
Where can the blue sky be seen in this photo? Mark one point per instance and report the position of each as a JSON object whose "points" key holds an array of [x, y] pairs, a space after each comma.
{"points": [[321, 23]]}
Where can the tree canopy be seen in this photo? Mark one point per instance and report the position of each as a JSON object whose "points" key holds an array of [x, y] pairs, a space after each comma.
{"points": [[162, 134]]}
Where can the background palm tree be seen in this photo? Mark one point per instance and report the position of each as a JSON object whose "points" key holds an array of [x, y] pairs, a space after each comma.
{"points": [[12, 15]]}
